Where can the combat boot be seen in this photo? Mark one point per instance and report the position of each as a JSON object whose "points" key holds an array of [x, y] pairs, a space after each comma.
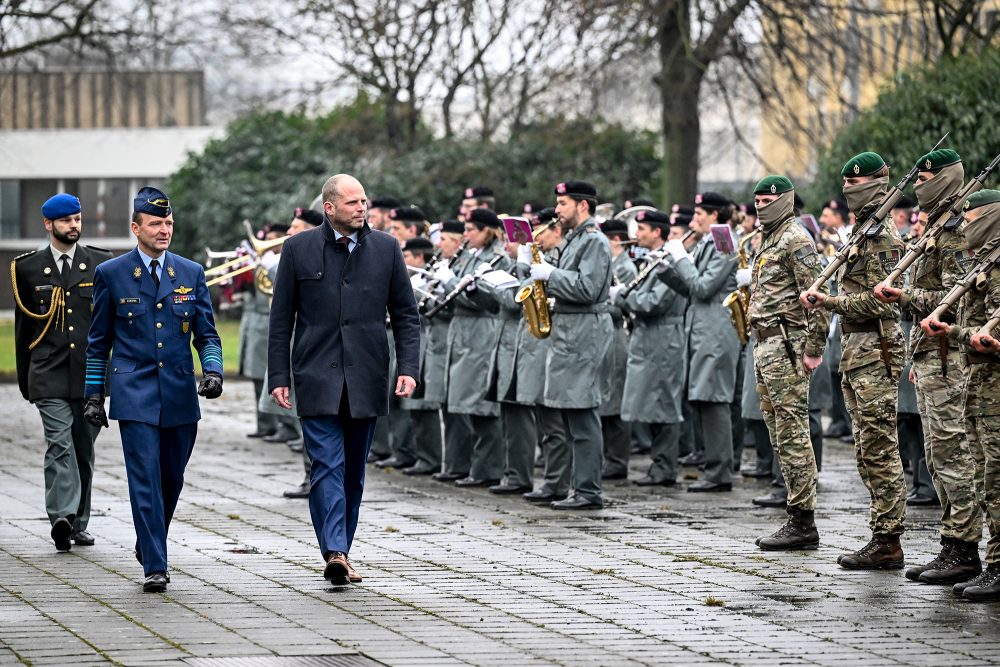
{"points": [[913, 574], [799, 532], [961, 564], [883, 552], [986, 586]]}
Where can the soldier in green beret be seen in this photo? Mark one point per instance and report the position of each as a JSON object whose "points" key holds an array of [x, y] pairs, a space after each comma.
{"points": [[981, 382], [789, 342], [934, 372], [869, 331]]}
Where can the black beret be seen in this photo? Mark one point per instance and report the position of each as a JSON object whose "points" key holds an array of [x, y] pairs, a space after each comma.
{"points": [[477, 192], [407, 214], [546, 214], [577, 190], [151, 200], [683, 209], [277, 227], [418, 244], [309, 216], [615, 227], [711, 201], [639, 201], [453, 227], [798, 202], [680, 219], [485, 217], [531, 207], [905, 202], [383, 202], [653, 218]]}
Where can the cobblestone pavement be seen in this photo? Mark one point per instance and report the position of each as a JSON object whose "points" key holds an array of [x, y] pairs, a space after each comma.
{"points": [[458, 577]]}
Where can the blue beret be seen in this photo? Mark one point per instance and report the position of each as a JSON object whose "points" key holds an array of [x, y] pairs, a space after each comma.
{"points": [[60, 206], [152, 201]]}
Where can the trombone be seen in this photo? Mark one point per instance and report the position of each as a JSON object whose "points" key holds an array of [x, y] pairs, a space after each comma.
{"points": [[244, 263]]}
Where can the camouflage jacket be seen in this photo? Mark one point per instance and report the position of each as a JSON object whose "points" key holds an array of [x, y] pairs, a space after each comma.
{"points": [[785, 265]]}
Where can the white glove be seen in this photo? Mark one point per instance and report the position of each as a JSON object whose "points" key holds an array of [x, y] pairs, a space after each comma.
{"points": [[417, 281], [743, 277], [613, 292], [524, 254], [483, 268], [676, 250], [443, 274], [542, 271]]}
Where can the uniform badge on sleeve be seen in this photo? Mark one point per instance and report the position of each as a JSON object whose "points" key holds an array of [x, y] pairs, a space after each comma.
{"points": [[889, 259], [964, 258]]}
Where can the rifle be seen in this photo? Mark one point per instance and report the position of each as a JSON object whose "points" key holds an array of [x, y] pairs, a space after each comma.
{"points": [[974, 278], [947, 221], [870, 228]]}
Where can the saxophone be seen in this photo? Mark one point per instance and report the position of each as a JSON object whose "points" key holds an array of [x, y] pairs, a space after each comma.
{"points": [[738, 301], [535, 302]]}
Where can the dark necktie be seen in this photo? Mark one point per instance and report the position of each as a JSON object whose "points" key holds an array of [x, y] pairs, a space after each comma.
{"points": [[153, 265], [346, 242], [65, 269]]}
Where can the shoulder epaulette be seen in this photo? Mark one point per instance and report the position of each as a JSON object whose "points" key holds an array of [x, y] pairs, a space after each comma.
{"points": [[94, 247], [27, 254]]}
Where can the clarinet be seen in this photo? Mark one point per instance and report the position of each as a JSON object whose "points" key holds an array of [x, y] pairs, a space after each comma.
{"points": [[463, 282], [433, 284]]}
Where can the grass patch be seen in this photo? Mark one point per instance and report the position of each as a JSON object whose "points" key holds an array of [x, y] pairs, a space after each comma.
{"points": [[602, 570], [229, 332], [714, 602], [391, 529]]}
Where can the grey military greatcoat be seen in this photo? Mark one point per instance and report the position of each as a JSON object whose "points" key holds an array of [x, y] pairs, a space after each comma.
{"points": [[253, 335], [613, 369]]}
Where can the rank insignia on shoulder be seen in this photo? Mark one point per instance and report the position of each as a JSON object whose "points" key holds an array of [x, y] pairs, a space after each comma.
{"points": [[170, 271], [137, 272], [128, 300], [184, 290]]}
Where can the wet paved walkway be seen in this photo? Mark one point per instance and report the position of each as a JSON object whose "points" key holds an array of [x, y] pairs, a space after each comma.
{"points": [[458, 577]]}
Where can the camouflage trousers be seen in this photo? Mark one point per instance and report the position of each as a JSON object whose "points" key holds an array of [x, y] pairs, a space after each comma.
{"points": [[784, 401], [982, 422], [870, 397], [949, 458]]}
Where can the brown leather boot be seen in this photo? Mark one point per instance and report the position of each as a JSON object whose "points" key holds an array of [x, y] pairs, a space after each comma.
{"points": [[962, 564], [883, 552], [913, 574], [799, 532]]}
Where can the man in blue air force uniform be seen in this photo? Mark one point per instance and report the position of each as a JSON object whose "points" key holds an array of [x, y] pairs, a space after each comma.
{"points": [[148, 304]]}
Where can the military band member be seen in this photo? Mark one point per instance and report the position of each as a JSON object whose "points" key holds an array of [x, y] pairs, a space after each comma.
{"points": [[948, 454], [424, 407], [473, 198], [654, 378], [472, 339], [870, 375], [581, 332], [616, 431], [706, 276], [788, 347], [407, 222], [378, 212], [53, 291], [148, 305], [981, 384]]}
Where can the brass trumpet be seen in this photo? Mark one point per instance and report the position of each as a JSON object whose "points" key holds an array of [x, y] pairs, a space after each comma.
{"points": [[245, 263]]}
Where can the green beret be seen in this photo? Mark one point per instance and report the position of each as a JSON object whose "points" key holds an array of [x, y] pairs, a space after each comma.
{"points": [[773, 185], [937, 160], [982, 198], [863, 164]]}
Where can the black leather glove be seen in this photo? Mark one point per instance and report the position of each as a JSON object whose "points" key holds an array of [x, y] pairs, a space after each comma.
{"points": [[210, 386], [93, 410]]}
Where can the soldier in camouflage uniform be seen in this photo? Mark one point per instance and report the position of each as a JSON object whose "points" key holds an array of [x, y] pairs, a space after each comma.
{"points": [[870, 384], [788, 347], [936, 370], [982, 382]]}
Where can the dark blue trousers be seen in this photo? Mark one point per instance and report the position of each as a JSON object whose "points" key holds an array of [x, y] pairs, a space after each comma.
{"points": [[338, 446], [155, 459]]}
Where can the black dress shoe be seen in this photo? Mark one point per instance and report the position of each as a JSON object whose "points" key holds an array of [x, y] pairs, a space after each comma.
{"points": [[705, 486], [836, 431], [280, 436], [916, 500], [508, 489], [771, 500], [849, 438], [419, 470], [448, 476], [61, 531], [692, 460], [541, 496], [614, 474], [155, 583], [260, 434], [374, 457], [300, 491], [754, 473], [395, 462], [652, 481], [576, 503], [473, 482], [82, 538], [296, 445]]}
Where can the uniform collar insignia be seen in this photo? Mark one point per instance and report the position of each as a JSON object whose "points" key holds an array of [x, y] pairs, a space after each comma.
{"points": [[170, 272], [137, 273], [184, 290]]}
